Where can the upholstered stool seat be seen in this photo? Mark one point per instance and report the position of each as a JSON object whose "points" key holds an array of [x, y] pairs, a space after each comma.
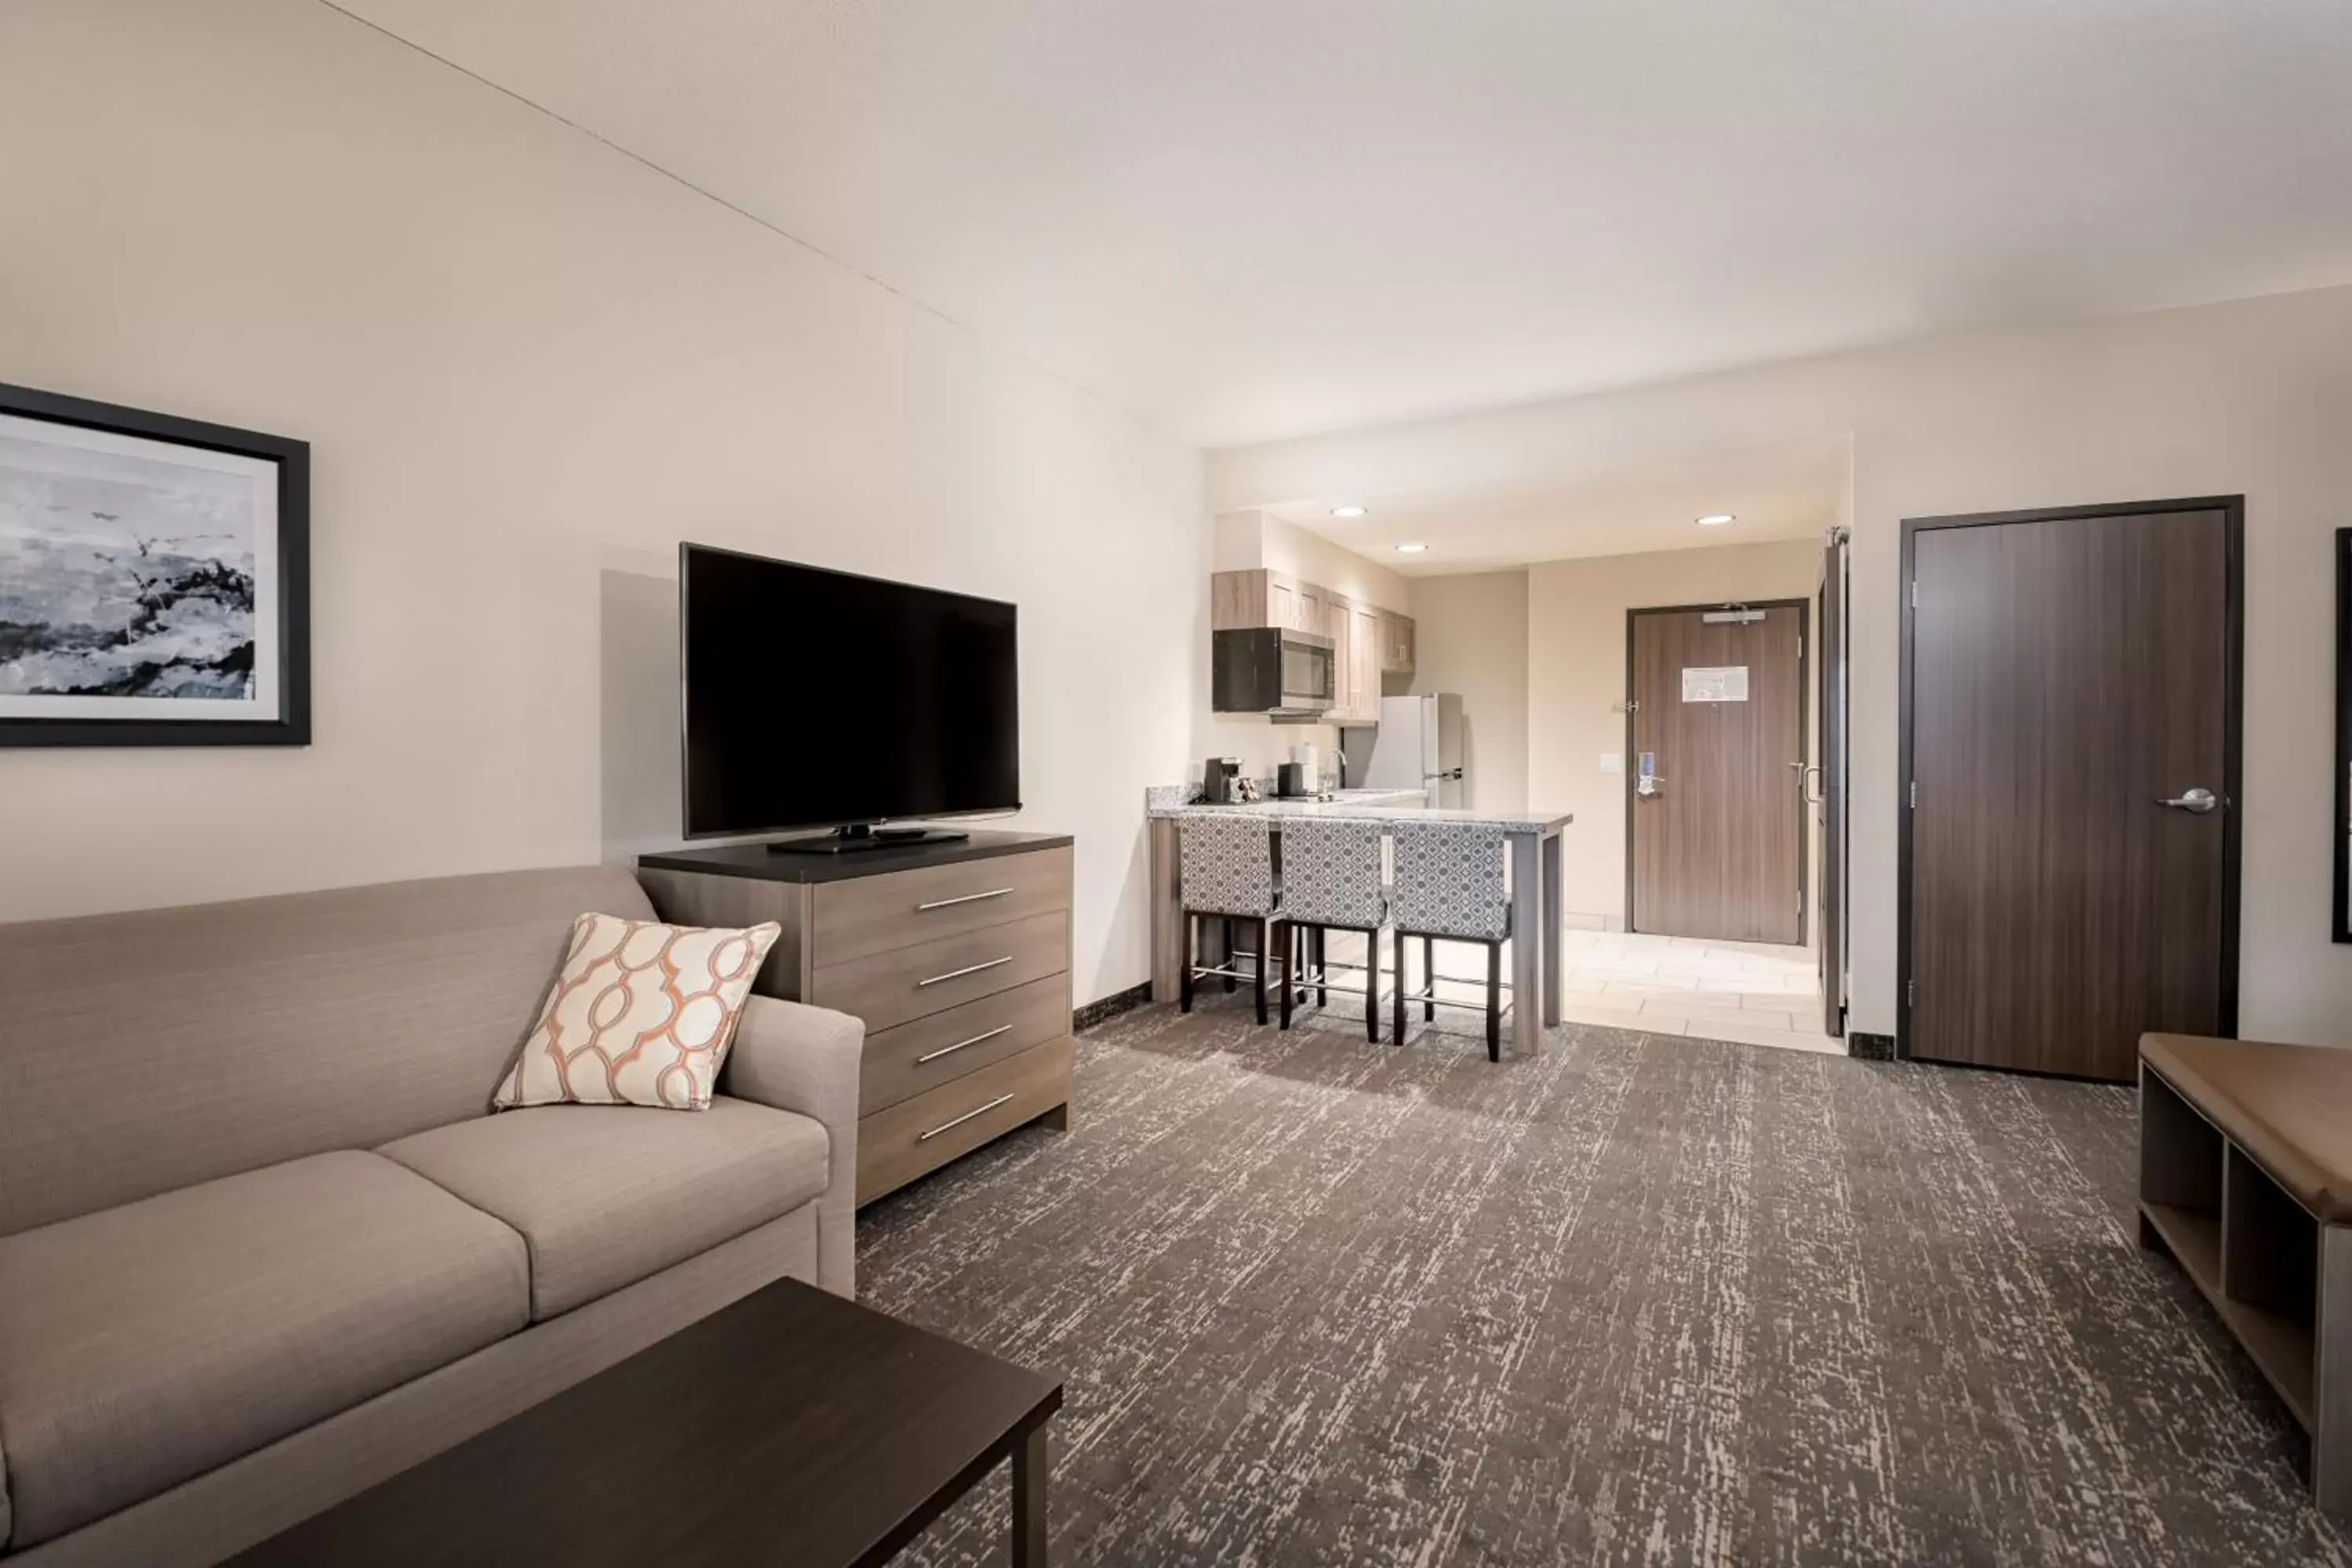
{"points": [[1331, 882], [1226, 873], [1449, 887]]}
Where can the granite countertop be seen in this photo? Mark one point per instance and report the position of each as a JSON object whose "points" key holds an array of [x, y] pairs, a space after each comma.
{"points": [[1355, 808]]}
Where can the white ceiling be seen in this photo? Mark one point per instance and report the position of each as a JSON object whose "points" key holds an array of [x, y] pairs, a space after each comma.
{"points": [[1248, 219], [1780, 490]]}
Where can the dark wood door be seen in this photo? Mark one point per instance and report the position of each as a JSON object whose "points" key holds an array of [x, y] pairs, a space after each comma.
{"points": [[2070, 675], [1717, 844]]}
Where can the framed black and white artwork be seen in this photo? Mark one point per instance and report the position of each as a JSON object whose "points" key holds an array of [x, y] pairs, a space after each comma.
{"points": [[154, 579]]}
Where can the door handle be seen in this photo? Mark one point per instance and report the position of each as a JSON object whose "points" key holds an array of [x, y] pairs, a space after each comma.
{"points": [[2199, 801], [1806, 782]]}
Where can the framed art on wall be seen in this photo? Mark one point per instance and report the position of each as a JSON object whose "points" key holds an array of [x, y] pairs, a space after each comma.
{"points": [[154, 579]]}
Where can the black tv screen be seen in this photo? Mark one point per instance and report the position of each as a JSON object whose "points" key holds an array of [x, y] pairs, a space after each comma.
{"points": [[817, 699]]}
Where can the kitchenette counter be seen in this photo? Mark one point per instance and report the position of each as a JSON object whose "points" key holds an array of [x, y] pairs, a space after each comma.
{"points": [[1382, 807], [1534, 848]]}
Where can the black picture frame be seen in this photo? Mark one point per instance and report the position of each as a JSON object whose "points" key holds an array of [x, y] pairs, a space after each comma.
{"points": [[2340, 922], [291, 726]]}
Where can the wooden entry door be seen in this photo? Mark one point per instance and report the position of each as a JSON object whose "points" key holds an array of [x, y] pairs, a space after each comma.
{"points": [[2072, 686], [1716, 841]]}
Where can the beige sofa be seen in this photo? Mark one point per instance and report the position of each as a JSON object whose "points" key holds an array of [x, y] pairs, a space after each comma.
{"points": [[260, 1248]]}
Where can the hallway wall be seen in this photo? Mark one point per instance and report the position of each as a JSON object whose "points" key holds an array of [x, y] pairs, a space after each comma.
{"points": [[1576, 686], [1470, 637]]}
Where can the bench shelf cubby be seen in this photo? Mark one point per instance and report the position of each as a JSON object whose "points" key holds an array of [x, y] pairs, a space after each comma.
{"points": [[2254, 1252]]}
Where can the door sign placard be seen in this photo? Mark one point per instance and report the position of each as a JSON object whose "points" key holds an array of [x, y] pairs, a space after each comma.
{"points": [[1715, 683]]}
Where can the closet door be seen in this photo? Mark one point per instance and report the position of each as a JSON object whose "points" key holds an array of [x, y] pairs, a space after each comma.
{"points": [[2071, 738]]}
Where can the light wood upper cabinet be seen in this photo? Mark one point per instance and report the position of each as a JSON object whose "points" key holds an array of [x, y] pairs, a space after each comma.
{"points": [[1396, 643], [1239, 601], [1364, 653], [1355, 633], [1338, 625], [1314, 609], [1282, 601], [1367, 642]]}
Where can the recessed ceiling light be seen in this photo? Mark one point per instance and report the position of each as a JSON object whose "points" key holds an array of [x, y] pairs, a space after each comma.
{"points": [[1410, 549], [1347, 511], [1716, 520]]}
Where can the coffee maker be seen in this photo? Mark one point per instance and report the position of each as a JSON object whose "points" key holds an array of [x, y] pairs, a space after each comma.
{"points": [[1220, 781]]}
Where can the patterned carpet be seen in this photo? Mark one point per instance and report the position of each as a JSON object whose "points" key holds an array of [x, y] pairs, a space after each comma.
{"points": [[1641, 1300]]}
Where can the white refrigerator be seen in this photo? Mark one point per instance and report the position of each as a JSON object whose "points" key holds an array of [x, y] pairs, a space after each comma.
{"points": [[1419, 746]]}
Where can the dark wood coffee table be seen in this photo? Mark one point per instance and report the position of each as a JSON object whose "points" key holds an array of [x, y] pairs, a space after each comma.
{"points": [[792, 1427]]}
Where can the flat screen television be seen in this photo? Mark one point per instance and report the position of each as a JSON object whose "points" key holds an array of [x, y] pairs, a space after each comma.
{"points": [[820, 698]]}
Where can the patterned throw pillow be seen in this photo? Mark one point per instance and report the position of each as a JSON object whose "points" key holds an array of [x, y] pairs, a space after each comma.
{"points": [[641, 1015]]}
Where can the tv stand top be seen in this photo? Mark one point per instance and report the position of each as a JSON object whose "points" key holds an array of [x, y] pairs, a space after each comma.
{"points": [[759, 863]]}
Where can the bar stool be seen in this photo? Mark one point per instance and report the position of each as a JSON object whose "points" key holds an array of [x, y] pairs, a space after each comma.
{"points": [[1449, 888], [1226, 870], [1331, 882]]}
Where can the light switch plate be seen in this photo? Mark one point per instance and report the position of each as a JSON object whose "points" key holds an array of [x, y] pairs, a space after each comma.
{"points": [[1613, 762]]}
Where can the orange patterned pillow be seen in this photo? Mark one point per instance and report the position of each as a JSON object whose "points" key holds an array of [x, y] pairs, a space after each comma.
{"points": [[642, 1014]]}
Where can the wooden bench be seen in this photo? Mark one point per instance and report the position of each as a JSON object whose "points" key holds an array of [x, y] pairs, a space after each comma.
{"points": [[2245, 1177]]}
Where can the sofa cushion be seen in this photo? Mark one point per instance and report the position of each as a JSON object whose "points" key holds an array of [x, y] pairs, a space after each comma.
{"points": [[641, 1014], [607, 1195], [143, 1345]]}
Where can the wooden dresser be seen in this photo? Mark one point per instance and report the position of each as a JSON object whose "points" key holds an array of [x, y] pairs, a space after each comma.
{"points": [[956, 955]]}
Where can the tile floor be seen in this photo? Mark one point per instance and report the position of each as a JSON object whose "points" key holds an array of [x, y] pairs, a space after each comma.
{"points": [[1753, 994]]}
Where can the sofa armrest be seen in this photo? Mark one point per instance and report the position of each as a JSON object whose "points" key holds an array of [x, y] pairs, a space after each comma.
{"points": [[802, 1058]]}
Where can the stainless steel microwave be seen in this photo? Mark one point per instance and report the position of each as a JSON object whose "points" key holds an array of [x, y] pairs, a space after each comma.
{"points": [[1273, 672]]}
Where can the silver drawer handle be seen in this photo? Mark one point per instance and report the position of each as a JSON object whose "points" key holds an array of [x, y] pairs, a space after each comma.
{"points": [[966, 1116], [950, 1051], [967, 899], [959, 973]]}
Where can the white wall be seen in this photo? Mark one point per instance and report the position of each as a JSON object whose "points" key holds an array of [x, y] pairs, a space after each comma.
{"points": [[1316, 559], [1576, 687], [1470, 635], [528, 366], [2253, 397]]}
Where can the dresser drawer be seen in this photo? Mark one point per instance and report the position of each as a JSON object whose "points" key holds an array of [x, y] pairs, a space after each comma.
{"points": [[903, 1142], [891, 988], [906, 1061], [866, 915]]}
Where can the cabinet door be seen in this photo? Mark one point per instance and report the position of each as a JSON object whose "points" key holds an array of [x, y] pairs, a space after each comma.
{"points": [[1281, 600], [1312, 611], [1396, 644], [1338, 625], [1366, 649], [1237, 601]]}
